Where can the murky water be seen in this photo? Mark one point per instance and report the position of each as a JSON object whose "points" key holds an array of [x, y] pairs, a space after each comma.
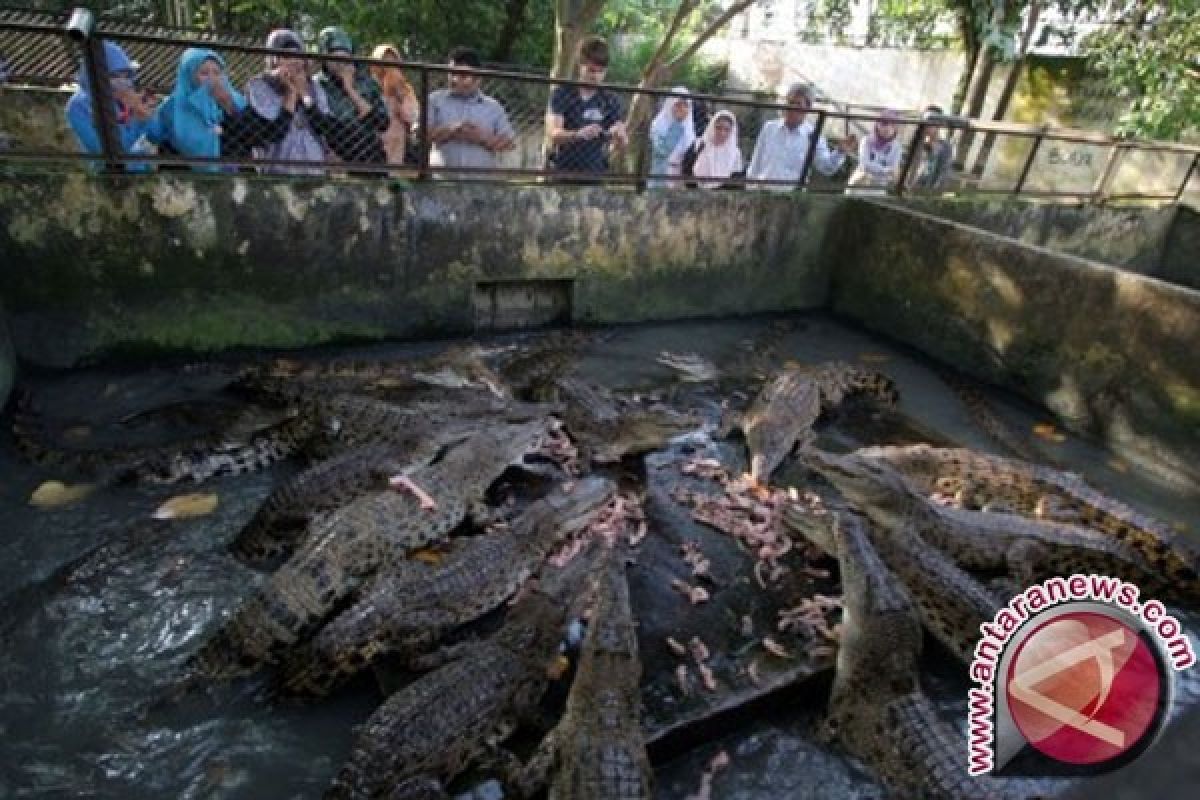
{"points": [[81, 660]]}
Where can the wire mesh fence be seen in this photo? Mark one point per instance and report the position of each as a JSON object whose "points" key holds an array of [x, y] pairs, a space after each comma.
{"points": [[142, 100]]}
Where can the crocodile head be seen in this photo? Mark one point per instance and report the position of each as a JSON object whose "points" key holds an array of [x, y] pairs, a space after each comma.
{"points": [[488, 453], [570, 508], [695, 368], [641, 432], [871, 485]]}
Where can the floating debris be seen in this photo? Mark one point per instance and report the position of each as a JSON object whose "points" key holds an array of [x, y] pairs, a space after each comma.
{"points": [[55, 494], [187, 505]]}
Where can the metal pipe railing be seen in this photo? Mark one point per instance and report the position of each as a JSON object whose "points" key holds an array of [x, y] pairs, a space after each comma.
{"points": [[90, 35]]}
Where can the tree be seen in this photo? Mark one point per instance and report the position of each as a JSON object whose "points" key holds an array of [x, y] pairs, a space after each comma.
{"points": [[671, 55], [1150, 58]]}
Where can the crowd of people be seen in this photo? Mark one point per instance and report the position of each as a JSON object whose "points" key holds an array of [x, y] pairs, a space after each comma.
{"points": [[302, 113]]}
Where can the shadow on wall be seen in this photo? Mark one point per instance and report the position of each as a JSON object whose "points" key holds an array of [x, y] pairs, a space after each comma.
{"points": [[1112, 353]]}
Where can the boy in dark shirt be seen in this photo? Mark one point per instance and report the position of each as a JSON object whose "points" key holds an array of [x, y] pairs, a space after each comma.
{"points": [[582, 122]]}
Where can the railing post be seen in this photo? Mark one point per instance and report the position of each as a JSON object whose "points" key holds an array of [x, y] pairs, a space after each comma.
{"points": [[423, 114], [1187, 178], [1110, 166], [1033, 151], [80, 26], [909, 159], [812, 149]]}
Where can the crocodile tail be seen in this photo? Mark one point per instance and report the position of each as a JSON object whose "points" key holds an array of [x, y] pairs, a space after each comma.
{"points": [[930, 756], [35, 446]]}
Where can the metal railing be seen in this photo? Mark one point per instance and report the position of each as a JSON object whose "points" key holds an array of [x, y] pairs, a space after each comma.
{"points": [[1096, 167]]}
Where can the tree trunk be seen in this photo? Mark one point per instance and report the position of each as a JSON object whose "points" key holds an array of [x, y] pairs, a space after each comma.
{"points": [[970, 37], [514, 19], [1010, 86], [572, 19], [981, 80]]}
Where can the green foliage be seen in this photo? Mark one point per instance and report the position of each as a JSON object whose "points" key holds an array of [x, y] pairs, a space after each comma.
{"points": [[1152, 63], [697, 74]]}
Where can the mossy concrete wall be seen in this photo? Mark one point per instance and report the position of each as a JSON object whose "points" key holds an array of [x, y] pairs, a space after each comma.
{"points": [[1133, 238], [99, 266], [1181, 253], [34, 119], [8, 360], [1111, 352]]}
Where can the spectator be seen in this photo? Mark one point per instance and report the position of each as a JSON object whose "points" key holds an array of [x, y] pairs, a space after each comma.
{"points": [[401, 102], [879, 155], [671, 134], [132, 113], [937, 154], [782, 146], [287, 113], [467, 128], [191, 121], [583, 121], [719, 155], [355, 102]]}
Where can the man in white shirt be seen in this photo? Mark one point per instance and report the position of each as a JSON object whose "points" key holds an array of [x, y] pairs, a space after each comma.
{"points": [[782, 146]]}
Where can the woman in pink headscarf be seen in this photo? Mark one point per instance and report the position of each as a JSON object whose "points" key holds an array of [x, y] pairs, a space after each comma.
{"points": [[719, 155], [879, 154]]}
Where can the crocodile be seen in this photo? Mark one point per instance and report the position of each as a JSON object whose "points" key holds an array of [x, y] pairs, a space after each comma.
{"points": [[596, 752], [354, 542], [406, 612], [281, 522], [533, 369], [152, 463], [692, 367], [608, 428], [288, 380], [980, 540], [787, 407], [1050, 494], [433, 729], [370, 441], [952, 603], [876, 706]]}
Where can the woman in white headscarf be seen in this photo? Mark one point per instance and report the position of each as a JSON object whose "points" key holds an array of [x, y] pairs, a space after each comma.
{"points": [[671, 134], [719, 155]]}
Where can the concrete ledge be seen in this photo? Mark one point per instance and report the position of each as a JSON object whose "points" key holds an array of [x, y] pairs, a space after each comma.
{"points": [[104, 266], [1132, 238], [1111, 352]]}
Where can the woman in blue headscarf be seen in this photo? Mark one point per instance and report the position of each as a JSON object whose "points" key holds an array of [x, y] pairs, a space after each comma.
{"points": [[132, 113], [191, 120]]}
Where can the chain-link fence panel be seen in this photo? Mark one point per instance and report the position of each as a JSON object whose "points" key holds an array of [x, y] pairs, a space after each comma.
{"points": [[33, 117]]}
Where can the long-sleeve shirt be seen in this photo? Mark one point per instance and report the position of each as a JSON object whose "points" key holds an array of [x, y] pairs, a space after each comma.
{"points": [[780, 152], [877, 165]]}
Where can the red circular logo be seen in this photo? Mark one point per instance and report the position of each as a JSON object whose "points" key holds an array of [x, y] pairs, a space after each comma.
{"points": [[1085, 688]]}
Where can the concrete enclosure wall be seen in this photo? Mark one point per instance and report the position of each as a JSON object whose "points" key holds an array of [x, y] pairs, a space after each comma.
{"points": [[96, 265], [1181, 250], [1132, 238], [1112, 353]]}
